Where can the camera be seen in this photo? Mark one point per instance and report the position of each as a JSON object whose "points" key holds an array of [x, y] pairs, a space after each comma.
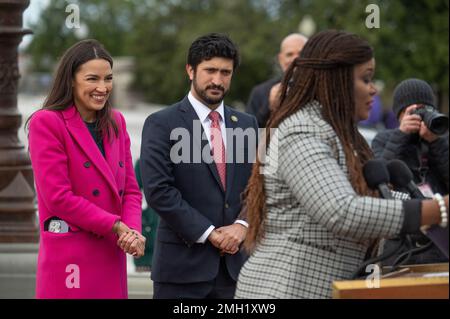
{"points": [[435, 121]]}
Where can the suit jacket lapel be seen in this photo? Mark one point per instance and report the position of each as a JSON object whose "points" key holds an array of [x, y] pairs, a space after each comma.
{"points": [[189, 115], [231, 147], [82, 136]]}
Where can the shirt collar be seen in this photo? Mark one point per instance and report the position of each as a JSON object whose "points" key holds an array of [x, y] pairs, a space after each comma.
{"points": [[202, 110]]}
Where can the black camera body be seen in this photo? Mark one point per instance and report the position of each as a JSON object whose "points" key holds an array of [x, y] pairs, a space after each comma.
{"points": [[435, 121]]}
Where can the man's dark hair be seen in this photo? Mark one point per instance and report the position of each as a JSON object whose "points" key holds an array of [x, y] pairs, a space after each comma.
{"points": [[210, 46]]}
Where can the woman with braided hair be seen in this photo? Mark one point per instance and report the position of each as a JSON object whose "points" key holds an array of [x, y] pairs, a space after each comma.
{"points": [[312, 216]]}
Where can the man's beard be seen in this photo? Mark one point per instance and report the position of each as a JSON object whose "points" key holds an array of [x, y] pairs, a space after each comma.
{"points": [[208, 100]]}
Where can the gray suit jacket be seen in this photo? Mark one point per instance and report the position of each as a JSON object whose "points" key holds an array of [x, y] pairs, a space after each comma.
{"points": [[318, 229]]}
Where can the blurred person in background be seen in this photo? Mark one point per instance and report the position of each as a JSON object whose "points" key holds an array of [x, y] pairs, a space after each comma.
{"points": [[379, 118], [424, 152], [263, 96]]}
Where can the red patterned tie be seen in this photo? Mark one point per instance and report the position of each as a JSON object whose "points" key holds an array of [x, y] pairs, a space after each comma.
{"points": [[217, 146]]}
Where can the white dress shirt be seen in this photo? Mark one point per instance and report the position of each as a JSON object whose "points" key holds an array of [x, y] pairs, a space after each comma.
{"points": [[203, 114]]}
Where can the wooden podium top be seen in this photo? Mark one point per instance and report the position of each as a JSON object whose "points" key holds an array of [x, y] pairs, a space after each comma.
{"points": [[410, 282]]}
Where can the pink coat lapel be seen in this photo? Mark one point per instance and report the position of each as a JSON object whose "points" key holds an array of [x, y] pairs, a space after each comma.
{"points": [[82, 136], [112, 155]]}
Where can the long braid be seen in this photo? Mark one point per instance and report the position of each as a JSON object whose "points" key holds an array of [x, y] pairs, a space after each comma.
{"points": [[255, 196], [324, 73]]}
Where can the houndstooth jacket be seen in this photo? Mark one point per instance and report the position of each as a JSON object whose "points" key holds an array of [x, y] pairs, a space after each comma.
{"points": [[317, 228]]}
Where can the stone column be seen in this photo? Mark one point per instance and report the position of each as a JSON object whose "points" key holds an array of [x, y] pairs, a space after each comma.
{"points": [[122, 98], [18, 228], [17, 196]]}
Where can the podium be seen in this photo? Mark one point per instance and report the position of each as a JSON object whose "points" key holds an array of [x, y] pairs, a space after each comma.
{"points": [[428, 281]]}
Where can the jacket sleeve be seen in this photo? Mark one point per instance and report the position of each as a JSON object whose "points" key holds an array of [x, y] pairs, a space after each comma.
{"points": [[158, 182], [389, 144], [252, 103], [258, 105], [316, 180], [243, 212], [132, 197], [50, 165], [438, 157]]}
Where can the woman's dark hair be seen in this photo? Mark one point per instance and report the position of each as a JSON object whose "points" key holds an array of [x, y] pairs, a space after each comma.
{"points": [[210, 46], [61, 91], [323, 72]]}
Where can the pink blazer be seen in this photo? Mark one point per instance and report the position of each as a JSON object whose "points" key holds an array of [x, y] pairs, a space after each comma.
{"points": [[77, 184]]}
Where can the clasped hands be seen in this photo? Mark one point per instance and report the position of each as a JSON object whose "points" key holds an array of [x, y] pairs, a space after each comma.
{"points": [[228, 238], [130, 240]]}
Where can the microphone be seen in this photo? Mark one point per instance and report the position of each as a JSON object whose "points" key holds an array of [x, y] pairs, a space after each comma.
{"points": [[401, 177], [376, 175]]}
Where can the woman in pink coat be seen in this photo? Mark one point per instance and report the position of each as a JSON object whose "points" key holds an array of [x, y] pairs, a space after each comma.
{"points": [[88, 198]]}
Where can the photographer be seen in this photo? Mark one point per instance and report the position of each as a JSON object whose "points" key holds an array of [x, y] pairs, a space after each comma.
{"points": [[421, 141], [425, 152]]}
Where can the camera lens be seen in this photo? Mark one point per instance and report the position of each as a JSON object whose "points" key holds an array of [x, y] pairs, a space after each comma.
{"points": [[439, 125], [436, 122]]}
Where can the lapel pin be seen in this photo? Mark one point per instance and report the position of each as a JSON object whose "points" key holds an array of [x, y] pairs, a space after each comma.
{"points": [[234, 118]]}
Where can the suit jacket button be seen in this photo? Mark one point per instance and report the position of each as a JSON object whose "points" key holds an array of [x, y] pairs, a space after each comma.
{"points": [[226, 205], [121, 164], [87, 164], [96, 192]]}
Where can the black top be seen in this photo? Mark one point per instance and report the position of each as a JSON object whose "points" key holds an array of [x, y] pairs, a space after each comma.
{"points": [[258, 103], [96, 135], [427, 161], [430, 166]]}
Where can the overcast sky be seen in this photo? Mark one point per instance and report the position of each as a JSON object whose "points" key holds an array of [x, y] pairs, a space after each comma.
{"points": [[31, 14]]}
